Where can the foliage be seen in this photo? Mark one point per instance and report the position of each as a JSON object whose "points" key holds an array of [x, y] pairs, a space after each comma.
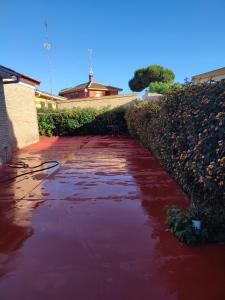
{"points": [[153, 73], [78, 121], [187, 134], [138, 116], [180, 224], [163, 87]]}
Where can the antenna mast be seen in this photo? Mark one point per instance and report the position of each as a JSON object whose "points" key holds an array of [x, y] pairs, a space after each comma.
{"points": [[90, 51], [47, 46]]}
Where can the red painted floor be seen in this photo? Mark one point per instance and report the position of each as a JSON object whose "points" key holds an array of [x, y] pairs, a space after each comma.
{"points": [[94, 228]]}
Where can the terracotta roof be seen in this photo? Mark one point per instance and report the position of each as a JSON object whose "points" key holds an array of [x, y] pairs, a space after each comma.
{"points": [[30, 79], [89, 86]]}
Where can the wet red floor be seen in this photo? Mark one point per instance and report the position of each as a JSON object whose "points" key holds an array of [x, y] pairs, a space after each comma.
{"points": [[94, 228]]}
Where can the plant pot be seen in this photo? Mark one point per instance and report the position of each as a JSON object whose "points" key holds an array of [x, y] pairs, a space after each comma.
{"points": [[197, 224]]}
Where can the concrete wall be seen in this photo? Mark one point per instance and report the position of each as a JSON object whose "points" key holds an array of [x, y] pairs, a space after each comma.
{"points": [[98, 102], [22, 115], [5, 147]]}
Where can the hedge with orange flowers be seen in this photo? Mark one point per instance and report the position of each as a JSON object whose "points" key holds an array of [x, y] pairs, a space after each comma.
{"points": [[186, 131]]}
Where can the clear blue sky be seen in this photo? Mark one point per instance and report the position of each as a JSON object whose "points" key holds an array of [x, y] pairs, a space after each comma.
{"points": [[186, 36]]}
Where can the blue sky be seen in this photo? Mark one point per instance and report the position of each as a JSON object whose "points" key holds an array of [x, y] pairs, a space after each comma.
{"points": [[186, 36]]}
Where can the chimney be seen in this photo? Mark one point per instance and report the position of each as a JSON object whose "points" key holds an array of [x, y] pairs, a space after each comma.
{"points": [[91, 76]]}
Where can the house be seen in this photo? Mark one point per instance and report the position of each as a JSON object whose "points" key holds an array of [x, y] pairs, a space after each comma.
{"points": [[89, 89], [46, 100], [216, 75], [18, 116]]}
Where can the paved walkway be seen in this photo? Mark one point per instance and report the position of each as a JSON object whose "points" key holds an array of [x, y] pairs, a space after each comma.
{"points": [[94, 228]]}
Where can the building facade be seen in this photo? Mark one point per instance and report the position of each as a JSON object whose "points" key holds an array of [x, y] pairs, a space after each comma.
{"points": [[5, 146], [89, 89], [46, 100], [18, 116], [215, 75]]}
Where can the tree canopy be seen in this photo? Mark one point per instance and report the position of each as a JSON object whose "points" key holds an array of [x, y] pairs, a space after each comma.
{"points": [[153, 73], [163, 87]]}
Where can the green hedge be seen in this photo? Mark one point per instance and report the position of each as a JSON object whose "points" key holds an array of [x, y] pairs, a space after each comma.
{"points": [[186, 132], [79, 121]]}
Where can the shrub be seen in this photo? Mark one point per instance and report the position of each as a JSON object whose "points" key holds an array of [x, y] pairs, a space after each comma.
{"points": [[180, 224], [163, 87], [138, 116], [186, 133], [78, 121]]}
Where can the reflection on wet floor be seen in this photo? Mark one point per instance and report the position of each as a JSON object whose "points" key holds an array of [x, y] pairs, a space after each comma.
{"points": [[94, 228]]}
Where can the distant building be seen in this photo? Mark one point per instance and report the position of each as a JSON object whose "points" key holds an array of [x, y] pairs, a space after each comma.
{"points": [[89, 89], [216, 75], [152, 96], [46, 100], [18, 116]]}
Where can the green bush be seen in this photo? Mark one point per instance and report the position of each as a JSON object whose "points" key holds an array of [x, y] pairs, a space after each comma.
{"points": [[180, 224], [163, 87], [186, 132], [79, 121]]}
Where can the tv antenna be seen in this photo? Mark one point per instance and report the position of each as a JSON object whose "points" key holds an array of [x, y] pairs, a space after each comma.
{"points": [[47, 47], [90, 51]]}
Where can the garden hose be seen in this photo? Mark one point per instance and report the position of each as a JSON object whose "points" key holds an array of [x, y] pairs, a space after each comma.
{"points": [[23, 165]]}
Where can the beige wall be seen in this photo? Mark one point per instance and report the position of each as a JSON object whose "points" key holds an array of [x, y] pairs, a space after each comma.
{"points": [[22, 115], [5, 148], [98, 102]]}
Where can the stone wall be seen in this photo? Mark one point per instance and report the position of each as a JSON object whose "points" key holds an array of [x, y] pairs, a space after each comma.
{"points": [[98, 102], [22, 115]]}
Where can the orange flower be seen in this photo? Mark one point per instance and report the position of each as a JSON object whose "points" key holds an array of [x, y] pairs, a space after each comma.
{"points": [[219, 115], [205, 101]]}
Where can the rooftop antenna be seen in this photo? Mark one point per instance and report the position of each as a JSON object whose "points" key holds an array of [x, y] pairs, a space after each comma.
{"points": [[47, 47], [90, 51]]}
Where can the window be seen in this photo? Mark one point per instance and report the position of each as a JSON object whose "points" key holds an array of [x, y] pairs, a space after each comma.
{"points": [[50, 105], [42, 105]]}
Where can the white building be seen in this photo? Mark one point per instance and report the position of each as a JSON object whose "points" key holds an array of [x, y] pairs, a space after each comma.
{"points": [[152, 96], [216, 75]]}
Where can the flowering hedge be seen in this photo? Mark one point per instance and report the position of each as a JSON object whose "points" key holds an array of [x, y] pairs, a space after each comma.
{"points": [[186, 131], [78, 121]]}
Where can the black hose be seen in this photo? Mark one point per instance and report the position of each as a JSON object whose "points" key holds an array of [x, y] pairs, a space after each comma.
{"points": [[22, 165], [19, 165]]}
